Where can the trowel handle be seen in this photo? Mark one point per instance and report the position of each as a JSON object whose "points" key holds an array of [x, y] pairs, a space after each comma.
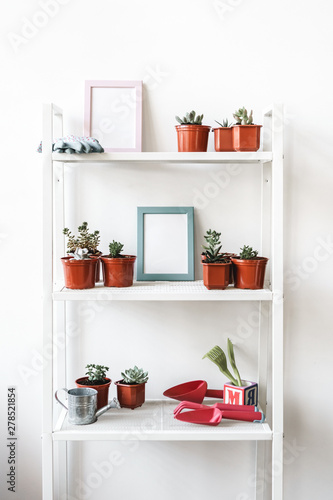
{"points": [[230, 407], [213, 393], [248, 416], [56, 396]]}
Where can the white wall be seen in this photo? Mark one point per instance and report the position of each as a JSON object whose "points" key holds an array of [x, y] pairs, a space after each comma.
{"points": [[213, 57]]}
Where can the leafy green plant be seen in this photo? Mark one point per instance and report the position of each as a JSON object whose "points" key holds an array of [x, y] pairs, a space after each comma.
{"points": [[96, 373], [114, 249], [225, 123], [213, 248], [247, 253], [134, 376], [217, 356], [84, 240], [242, 118], [190, 119]]}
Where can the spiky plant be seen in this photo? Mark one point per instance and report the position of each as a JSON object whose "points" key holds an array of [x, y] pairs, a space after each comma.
{"points": [[134, 376], [96, 373], [114, 249], [190, 119], [247, 253], [213, 248], [225, 123], [84, 240], [216, 354], [242, 118]]}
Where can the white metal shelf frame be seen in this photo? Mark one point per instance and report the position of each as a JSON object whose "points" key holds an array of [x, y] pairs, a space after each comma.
{"points": [[271, 162]]}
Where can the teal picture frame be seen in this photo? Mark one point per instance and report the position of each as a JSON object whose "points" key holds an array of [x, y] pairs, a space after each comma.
{"points": [[184, 227]]}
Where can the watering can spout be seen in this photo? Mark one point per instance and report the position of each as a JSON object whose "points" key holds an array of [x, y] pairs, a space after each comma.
{"points": [[113, 404]]}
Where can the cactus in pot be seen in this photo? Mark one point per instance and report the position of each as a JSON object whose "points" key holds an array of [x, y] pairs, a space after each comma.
{"points": [[131, 389], [192, 136]]}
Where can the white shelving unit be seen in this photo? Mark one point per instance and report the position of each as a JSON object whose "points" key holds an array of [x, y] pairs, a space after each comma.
{"points": [[127, 425]]}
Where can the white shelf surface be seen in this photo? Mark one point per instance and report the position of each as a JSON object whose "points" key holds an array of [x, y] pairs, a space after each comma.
{"points": [[168, 157], [154, 421], [162, 290]]}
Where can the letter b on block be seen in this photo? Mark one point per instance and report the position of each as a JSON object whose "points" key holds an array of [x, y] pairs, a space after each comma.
{"points": [[245, 395]]}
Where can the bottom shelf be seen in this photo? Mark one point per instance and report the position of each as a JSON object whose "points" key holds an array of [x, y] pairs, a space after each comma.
{"points": [[154, 421]]}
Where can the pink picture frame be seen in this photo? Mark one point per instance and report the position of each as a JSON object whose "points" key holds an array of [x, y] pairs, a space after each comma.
{"points": [[113, 114]]}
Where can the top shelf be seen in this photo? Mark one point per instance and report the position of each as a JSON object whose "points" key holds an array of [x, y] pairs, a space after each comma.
{"points": [[168, 157]]}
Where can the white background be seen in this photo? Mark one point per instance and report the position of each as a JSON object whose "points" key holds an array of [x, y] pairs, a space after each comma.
{"points": [[213, 57]]}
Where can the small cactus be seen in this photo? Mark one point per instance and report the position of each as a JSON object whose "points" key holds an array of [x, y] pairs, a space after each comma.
{"points": [[247, 253], [225, 123], [114, 249], [214, 246], [134, 376], [190, 119], [242, 117]]}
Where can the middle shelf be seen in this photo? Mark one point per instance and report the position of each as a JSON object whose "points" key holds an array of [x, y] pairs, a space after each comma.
{"points": [[154, 421]]}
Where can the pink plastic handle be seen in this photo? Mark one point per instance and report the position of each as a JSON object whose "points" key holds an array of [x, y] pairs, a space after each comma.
{"points": [[248, 416], [213, 393], [229, 407]]}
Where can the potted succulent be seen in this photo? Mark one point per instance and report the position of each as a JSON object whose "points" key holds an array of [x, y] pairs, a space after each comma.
{"points": [[223, 136], [96, 379], [80, 265], [246, 135], [191, 134], [131, 389], [236, 391], [216, 265], [249, 269], [118, 269]]}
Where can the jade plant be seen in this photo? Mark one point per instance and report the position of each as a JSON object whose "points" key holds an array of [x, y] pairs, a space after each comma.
{"points": [[190, 119], [114, 249], [96, 374], [83, 245], [134, 376], [242, 118], [217, 355], [247, 253], [225, 123], [213, 247]]}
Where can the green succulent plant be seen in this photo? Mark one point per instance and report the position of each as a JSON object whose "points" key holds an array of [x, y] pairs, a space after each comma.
{"points": [[225, 123], [134, 376], [84, 240], [247, 253], [190, 119], [213, 248], [217, 356], [96, 373], [242, 118], [115, 248]]}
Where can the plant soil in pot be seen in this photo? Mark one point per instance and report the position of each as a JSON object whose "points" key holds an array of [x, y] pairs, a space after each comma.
{"points": [[118, 269], [216, 265], [246, 135], [79, 274], [192, 136], [223, 137], [131, 389], [249, 269], [96, 379]]}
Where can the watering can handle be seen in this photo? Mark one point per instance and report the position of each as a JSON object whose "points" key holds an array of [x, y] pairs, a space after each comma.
{"points": [[213, 393], [56, 396]]}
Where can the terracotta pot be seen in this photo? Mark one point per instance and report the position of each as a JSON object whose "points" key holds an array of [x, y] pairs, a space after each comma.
{"points": [[130, 395], [118, 272], [102, 390], [246, 137], [249, 273], [223, 139], [192, 138], [79, 274], [216, 276], [98, 266]]}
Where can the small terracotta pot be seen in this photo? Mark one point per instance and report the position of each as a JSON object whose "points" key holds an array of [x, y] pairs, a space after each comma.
{"points": [[216, 276], [130, 395], [223, 139], [79, 274], [249, 273], [246, 137], [98, 266], [192, 138], [102, 390], [118, 272]]}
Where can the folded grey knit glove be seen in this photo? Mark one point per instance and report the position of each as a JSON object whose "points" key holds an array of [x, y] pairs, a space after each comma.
{"points": [[74, 144]]}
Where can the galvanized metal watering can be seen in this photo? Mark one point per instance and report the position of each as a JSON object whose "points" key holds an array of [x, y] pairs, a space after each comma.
{"points": [[82, 404]]}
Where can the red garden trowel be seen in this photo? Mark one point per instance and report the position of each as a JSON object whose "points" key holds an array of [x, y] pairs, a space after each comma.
{"points": [[212, 415], [194, 391]]}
